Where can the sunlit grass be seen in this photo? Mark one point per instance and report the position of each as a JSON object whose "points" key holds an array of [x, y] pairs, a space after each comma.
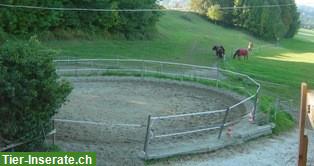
{"points": [[307, 35], [293, 57]]}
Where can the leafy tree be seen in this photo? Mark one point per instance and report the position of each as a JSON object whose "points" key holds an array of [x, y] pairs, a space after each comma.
{"points": [[214, 13], [227, 14], [290, 17], [23, 21], [30, 91], [268, 23], [206, 7], [200, 6]]}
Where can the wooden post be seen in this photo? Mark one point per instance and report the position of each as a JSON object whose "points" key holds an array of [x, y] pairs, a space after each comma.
{"points": [[303, 141], [306, 141]]}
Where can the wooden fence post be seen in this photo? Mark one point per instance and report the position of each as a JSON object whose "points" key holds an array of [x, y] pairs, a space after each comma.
{"points": [[303, 141]]}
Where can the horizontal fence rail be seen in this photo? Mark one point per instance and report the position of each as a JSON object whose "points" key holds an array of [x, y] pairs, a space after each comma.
{"points": [[176, 70]]}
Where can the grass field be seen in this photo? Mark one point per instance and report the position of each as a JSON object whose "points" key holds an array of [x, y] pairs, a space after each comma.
{"points": [[188, 38], [182, 37], [307, 35]]}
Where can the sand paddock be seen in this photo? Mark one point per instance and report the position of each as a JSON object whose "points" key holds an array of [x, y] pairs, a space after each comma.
{"points": [[116, 109]]}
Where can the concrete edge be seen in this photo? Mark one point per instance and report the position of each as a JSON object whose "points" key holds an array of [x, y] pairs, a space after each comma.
{"points": [[238, 139]]}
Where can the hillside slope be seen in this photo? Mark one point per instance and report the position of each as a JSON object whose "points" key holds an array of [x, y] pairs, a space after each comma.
{"points": [[188, 38], [183, 37]]}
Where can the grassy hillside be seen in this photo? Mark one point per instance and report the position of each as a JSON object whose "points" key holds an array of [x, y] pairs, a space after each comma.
{"points": [[287, 64], [182, 37], [305, 35], [188, 38]]}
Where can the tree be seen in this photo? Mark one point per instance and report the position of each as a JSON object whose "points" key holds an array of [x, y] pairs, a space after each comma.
{"points": [[200, 6], [290, 17], [226, 13], [277, 21], [23, 21], [214, 13], [30, 91], [27, 22]]}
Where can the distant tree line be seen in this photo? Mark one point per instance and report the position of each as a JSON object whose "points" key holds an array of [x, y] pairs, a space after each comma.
{"points": [[268, 23], [21, 21]]}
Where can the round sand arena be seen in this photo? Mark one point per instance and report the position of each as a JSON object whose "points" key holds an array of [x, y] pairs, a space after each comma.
{"points": [[108, 115]]}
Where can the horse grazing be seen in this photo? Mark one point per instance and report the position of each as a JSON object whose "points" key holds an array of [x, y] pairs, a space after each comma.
{"points": [[241, 52], [220, 51]]}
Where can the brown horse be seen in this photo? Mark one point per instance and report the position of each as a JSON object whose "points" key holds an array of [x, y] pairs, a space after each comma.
{"points": [[241, 52], [244, 51]]}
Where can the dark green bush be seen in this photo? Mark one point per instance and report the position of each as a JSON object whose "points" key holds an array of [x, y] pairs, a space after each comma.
{"points": [[283, 121], [30, 90], [3, 36]]}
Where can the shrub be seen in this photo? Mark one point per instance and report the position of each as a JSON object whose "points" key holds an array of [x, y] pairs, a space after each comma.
{"points": [[30, 90]]}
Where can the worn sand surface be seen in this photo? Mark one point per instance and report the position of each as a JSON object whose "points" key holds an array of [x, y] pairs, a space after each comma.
{"points": [[119, 107], [116, 103]]}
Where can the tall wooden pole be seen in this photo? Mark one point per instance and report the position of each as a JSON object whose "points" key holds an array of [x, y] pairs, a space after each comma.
{"points": [[303, 140]]}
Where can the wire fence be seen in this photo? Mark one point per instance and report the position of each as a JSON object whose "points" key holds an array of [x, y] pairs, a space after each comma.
{"points": [[161, 129], [134, 10]]}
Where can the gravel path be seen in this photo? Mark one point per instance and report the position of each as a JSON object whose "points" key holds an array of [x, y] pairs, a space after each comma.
{"points": [[268, 151]]}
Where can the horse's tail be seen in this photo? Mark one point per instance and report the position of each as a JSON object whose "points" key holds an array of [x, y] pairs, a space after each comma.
{"points": [[235, 54]]}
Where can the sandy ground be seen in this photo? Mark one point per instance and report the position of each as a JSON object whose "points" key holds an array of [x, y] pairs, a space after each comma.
{"points": [[113, 102], [121, 107]]}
